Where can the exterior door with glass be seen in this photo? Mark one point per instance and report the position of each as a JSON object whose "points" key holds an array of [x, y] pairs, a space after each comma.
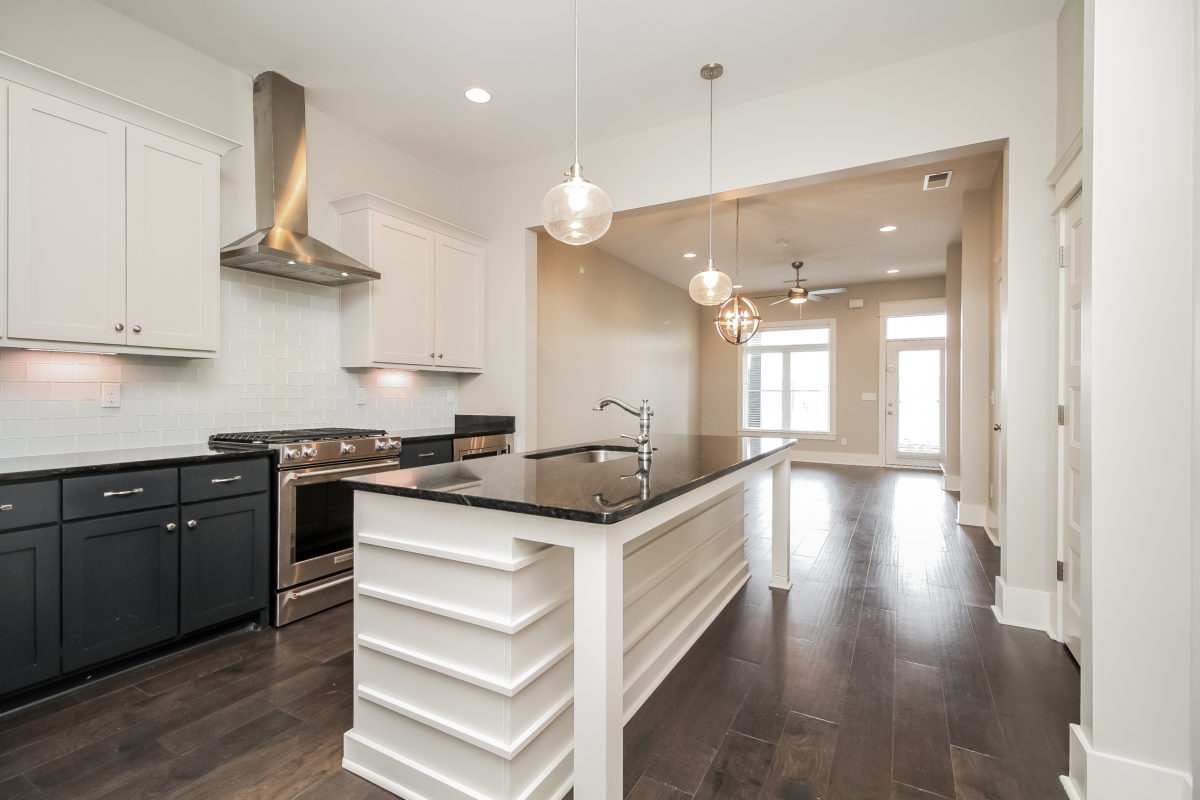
{"points": [[915, 411]]}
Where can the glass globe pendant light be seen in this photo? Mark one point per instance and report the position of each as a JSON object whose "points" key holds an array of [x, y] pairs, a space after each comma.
{"points": [[738, 318], [576, 211], [710, 286]]}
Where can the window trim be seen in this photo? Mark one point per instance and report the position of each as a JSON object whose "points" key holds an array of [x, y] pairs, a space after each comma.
{"points": [[830, 323]]}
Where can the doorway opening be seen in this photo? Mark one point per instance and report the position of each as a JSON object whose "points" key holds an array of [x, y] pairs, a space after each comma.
{"points": [[914, 408]]}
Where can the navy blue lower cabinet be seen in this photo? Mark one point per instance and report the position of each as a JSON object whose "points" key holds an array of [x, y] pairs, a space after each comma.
{"points": [[120, 585], [29, 595], [223, 570]]}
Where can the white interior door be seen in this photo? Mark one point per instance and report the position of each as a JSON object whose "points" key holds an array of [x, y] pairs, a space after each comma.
{"points": [[1071, 478], [915, 408]]}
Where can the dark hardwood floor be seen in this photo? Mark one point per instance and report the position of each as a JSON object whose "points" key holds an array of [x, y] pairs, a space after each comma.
{"points": [[882, 674]]}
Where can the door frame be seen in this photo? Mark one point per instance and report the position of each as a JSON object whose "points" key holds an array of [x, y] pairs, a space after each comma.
{"points": [[932, 462], [901, 308]]}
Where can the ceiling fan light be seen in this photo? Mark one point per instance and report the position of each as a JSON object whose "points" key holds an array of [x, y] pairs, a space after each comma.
{"points": [[797, 300], [738, 320]]}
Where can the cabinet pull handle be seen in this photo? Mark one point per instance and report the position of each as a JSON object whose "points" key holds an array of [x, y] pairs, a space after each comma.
{"points": [[426, 455], [124, 493], [6, 507], [440, 355], [120, 326], [227, 480], [431, 355], [191, 523], [137, 328], [315, 589], [171, 526]]}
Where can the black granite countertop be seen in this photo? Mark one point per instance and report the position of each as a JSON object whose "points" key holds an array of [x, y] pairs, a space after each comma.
{"points": [[25, 468], [603, 492], [464, 425]]}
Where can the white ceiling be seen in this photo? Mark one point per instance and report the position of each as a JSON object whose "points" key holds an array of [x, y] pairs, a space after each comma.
{"points": [[832, 227], [398, 68]]}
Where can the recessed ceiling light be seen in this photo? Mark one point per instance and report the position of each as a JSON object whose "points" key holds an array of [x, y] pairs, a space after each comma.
{"points": [[291, 263], [345, 274], [689, 255], [887, 229], [477, 95], [892, 271]]}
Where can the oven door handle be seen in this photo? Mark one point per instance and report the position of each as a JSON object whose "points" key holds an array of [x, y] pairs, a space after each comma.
{"points": [[374, 466]]}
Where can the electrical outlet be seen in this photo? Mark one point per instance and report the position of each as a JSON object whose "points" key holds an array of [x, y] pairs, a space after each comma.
{"points": [[844, 441], [110, 395], [361, 397]]}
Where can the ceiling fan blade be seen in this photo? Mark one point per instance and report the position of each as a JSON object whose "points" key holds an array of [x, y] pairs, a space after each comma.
{"points": [[815, 297], [828, 291], [777, 302]]}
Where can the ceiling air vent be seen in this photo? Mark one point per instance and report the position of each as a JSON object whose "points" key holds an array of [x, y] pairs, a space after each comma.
{"points": [[937, 180]]}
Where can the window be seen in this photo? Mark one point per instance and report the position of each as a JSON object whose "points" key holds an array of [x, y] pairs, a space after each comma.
{"points": [[917, 326], [787, 379]]}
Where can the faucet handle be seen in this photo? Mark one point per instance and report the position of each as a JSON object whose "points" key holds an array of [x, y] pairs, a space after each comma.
{"points": [[639, 438]]}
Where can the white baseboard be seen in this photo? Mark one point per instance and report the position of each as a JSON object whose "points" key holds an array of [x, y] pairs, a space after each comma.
{"points": [[1023, 608], [951, 483], [969, 514], [993, 535], [1106, 776], [846, 459], [1069, 788]]}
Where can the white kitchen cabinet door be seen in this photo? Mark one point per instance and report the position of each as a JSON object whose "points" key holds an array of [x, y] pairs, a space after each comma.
{"points": [[173, 245], [66, 221], [402, 305], [459, 303]]}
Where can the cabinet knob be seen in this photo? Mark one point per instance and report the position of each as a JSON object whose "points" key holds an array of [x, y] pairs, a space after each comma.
{"points": [[120, 326], [171, 526], [191, 523], [137, 328], [431, 355], [440, 355]]}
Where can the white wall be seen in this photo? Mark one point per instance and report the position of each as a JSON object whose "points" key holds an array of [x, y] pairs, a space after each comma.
{"points": [[277, 335], [608, 328], [974, 408], [993, 89], [951, 467], [1138, 373]]}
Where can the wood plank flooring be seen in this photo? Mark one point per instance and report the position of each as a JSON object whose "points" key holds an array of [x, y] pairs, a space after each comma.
{"points": [[882, 674]]}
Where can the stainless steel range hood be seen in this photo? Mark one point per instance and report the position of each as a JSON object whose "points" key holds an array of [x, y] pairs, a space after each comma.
{"points": [[281, 246]]}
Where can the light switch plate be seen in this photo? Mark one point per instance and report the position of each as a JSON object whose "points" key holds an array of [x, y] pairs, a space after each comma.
{"points": [[870, 396], [110, 395], [856, 303], [360, 398]]}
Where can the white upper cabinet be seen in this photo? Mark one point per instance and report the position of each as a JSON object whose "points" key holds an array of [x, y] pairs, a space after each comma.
{"points": [[113, 234], [172, 279], [66, 221], [427, 309]]}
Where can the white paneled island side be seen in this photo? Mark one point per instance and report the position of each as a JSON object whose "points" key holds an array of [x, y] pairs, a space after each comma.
{"points": [[512, 613]]}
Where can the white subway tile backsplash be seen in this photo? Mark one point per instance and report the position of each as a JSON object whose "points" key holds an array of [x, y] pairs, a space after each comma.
{"points": [[279, 368]]}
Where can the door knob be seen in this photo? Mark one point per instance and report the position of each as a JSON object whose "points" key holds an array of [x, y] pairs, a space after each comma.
{"points": [[889, 413], [996, 427]]}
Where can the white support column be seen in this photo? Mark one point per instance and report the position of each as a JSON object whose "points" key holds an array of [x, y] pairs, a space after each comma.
{"points": [[781, 525], [599, 654]]}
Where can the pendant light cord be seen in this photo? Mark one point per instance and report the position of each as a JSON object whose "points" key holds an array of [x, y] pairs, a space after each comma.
{"points": [[576, 81], [737, 246], [710, 171]]}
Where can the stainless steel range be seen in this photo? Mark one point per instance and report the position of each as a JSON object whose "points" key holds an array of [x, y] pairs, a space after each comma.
{"points": [[315, 542]]}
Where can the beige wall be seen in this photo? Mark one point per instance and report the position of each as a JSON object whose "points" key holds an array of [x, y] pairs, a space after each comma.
{"points": [[606, 327], [857, 364], [997, 307], [1070, 74], [950, 466]]}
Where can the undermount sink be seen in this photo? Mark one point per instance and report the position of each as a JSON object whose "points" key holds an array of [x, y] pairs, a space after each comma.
{"points": [[588, 455]]}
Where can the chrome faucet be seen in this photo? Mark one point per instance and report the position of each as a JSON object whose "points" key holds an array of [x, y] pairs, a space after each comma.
{"points": [[643, 414]]}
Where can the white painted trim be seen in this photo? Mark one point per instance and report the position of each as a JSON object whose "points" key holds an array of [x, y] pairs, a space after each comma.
{"points": [[848, 459], [1107, 776], [1023, 608], [26, 73], [951, 483], [1069, 787], [993, 534], [1069, 154], [374, 202], [971, 514], [907, 308], [830, 323], [462, 556]]}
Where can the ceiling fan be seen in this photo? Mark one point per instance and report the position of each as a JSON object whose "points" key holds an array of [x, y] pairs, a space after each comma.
{"points": [[798, 294]]}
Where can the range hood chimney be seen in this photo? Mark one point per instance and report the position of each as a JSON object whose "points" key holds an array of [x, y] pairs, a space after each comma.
{"points": [[281, 246]]}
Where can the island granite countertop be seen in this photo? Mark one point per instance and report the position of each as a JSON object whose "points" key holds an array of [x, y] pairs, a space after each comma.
{"points": [[603, 492]]}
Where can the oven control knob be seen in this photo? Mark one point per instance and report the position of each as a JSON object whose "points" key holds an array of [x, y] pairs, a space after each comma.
{"points": [[392, 443], [347, 448], [309, 452], [382, 444], [289, 454]]}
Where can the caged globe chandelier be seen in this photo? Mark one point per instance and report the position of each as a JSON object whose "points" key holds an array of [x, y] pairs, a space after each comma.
{"points": [[576, 211], [710, 286], [738, 318]]}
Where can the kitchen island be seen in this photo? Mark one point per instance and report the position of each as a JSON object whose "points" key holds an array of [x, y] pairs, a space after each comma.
{"points": [[487, 591]]}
